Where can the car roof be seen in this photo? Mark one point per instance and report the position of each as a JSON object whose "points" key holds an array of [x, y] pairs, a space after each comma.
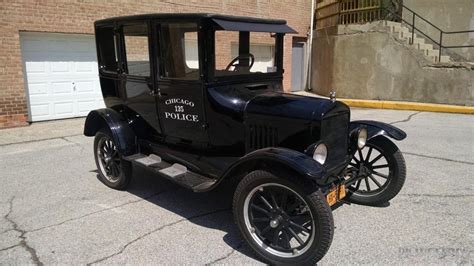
{"points": [[192, 16]]}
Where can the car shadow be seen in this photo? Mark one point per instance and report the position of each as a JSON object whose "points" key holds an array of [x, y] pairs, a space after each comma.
{"points": [[211, 210]]}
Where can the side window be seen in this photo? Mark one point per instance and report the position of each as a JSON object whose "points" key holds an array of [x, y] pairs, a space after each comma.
{"points": [[107, 51], [136, 49], [179, 51]]}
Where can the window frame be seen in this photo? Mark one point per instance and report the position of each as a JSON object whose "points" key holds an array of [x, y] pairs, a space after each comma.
{"points": [[102, 68], [123, 49], [278, 57], [160, 50]]}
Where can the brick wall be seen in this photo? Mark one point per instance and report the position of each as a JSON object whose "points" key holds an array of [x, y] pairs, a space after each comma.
{"points": [[67, 16]]}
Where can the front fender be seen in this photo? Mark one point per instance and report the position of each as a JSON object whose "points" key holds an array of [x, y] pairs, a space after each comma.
{"points": [[284, 158], [122, 134], [375, 128]]}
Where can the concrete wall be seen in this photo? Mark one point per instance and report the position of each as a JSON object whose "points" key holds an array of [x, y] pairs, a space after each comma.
{"points": [[448, 15], [372, 64]]}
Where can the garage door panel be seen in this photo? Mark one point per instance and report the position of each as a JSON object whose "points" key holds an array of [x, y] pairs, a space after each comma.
{"points": [[83, 107], [64, 87], [41, 110], [59, 67], [38, 88], [63, 108], [61, 75], [35, 67]]}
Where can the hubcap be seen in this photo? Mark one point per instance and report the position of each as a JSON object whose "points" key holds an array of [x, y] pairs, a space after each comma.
{"points": [[279, 220], [109, 159]]}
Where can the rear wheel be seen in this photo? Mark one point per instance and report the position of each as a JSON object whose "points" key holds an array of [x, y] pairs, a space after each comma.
{"points": [[380, 172], [113, 171], [281, 221]]}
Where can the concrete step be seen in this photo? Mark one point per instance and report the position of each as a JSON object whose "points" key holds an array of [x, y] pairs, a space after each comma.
{"points": [[425, 47], [419, 42], [445, 59]]}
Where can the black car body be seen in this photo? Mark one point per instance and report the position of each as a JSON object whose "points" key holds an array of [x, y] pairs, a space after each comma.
{"points": [[207, 124]]}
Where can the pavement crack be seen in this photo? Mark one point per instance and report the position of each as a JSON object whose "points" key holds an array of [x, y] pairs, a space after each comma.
{"points": [[154, 231], [10, 247], [227, 255], [38, 140], [74, 143], [23, 243], [99, 211], [438, 158], [406, 119], [437, 196]]}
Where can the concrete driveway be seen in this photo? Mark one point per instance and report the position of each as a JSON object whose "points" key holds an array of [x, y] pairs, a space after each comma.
{"points": [[54, 210]]}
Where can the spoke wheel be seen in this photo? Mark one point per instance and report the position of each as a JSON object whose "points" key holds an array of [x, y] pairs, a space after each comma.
{"points": [[109, 159], [283, 219], [113, 170], [279, 220], [378, 172]]}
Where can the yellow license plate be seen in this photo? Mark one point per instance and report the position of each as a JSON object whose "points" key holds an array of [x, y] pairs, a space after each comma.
{"points": [[336, 194]]}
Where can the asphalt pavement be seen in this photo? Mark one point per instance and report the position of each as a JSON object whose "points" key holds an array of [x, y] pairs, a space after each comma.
{"points": [[53, 210]]}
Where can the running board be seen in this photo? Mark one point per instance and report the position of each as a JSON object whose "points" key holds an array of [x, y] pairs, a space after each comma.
{"points": [[177, 173]]}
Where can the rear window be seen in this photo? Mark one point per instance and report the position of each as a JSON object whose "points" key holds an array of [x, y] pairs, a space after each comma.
{"points": [[107, 44], [136, 49]]}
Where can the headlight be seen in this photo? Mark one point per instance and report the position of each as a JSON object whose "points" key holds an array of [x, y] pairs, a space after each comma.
{"points": [[361, 138], [320, 153]]}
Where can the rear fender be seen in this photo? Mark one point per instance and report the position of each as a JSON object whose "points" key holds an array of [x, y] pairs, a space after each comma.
{"points": [[122, 134], [375, 128], [279, 159]]}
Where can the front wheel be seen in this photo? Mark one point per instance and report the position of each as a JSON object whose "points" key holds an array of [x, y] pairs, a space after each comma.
{"points": [[379, 173], [282, 222]]}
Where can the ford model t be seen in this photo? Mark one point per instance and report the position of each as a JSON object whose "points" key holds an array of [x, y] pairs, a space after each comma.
{"points": [[197, 99]]}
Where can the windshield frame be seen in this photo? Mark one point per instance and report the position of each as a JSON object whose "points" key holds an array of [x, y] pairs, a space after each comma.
{"points": [[278, 61]]}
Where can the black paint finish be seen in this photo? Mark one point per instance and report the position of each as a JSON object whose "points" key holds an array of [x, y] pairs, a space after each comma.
{"points": [[219, 127]]}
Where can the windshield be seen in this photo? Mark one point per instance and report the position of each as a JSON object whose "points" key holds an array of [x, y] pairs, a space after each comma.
{"points": [[244, 53]]}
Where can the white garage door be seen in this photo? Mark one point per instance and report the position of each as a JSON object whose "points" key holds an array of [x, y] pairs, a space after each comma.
{"points": [[61, 75]]}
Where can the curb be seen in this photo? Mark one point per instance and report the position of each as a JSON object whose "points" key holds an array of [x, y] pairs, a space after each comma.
{"points": [[427, 107]]}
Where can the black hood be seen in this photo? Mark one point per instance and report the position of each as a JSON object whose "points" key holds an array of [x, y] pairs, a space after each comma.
{"points": [[292, 106]]}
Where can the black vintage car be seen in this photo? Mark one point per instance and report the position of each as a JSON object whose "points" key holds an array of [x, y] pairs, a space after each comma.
{"points": [[180, 106]]}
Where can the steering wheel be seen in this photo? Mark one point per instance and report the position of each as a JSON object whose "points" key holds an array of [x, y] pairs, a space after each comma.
{"points": [[238, 66]]}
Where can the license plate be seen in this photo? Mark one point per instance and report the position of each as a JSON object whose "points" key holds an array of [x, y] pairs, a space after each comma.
{"points": [[336, 194]]}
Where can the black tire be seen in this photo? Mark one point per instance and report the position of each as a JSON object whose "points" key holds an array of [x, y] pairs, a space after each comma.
{"points": [[118, 173], [393, 178], [319, 232]]}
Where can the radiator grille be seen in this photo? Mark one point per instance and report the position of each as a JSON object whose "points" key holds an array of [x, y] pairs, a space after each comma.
{"points": [[261, 136], [335, 133]]}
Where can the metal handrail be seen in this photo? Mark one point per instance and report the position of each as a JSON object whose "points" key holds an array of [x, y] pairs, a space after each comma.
{"points": [[441, 32]]}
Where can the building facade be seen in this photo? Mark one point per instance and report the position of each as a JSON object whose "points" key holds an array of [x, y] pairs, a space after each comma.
{"points": [[48, 60]]}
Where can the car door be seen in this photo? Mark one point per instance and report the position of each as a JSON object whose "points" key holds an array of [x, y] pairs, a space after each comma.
{"points": [[136, 70], [180, 89]]}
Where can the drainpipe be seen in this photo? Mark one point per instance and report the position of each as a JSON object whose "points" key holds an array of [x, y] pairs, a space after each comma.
{"points": [[310, 47]]}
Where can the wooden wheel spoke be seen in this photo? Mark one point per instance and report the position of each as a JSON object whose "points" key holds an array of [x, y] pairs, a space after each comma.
{"points": [[261, 219], [276, 237], [300, 227], [264, 200], [376, 159], [380, 174], [265, 230], [368, 154], [358, 184], [361, 156], [260, 209], [295, 235], [367, 183], [375, 181]]}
